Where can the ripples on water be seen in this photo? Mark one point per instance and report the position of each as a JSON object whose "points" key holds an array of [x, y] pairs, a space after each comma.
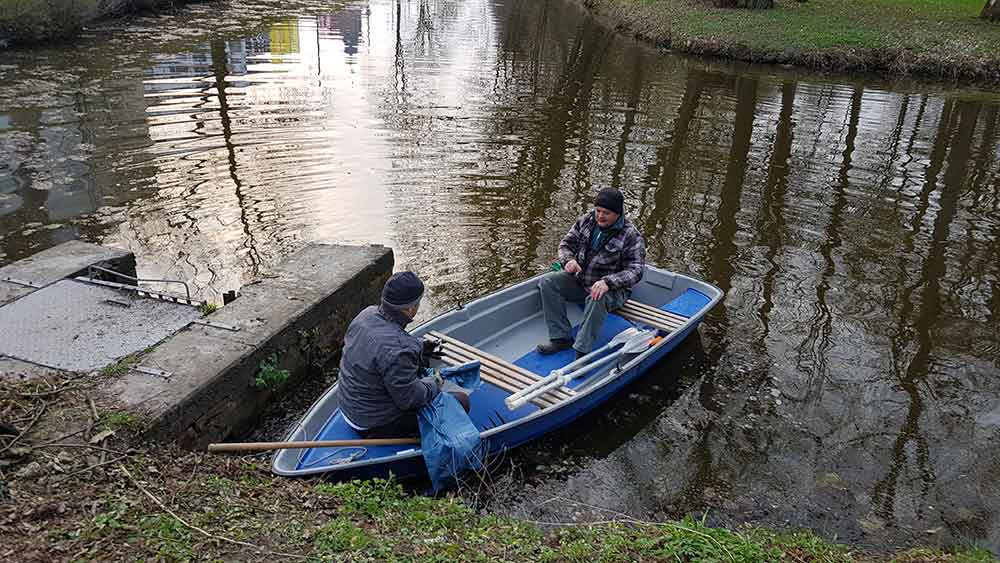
{"points": [[851, 374]]}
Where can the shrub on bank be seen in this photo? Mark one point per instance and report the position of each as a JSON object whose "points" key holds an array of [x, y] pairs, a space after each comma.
{"points": [[26, 20], [33, 21]]}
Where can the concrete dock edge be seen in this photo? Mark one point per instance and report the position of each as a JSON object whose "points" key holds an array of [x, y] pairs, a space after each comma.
{"points": [[293, 318]]}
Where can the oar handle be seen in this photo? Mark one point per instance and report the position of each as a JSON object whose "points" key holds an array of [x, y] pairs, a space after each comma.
{"points": [[591, 366], [260, 446]]}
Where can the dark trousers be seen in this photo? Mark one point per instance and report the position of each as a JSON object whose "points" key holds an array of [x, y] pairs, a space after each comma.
{"points": [[403, 426], [559, 287], [406, 424]]}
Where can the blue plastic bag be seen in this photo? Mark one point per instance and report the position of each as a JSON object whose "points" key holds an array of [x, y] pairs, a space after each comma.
{"points": [[449, 440], [465, 375]]}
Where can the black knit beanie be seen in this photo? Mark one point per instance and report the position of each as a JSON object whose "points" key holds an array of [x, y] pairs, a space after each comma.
{"points": [[402, 288], [610, 199]]}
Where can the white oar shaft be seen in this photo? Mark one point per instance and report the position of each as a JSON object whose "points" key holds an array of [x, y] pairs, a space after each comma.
{"points": [[591, 366], [555, 383], [545, 381], [584, 359], [556, 373], [560, 381], [529, 389], [516, 403]]}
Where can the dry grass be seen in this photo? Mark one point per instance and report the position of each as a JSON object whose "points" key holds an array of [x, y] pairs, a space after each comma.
{"points": [[90, 495]]}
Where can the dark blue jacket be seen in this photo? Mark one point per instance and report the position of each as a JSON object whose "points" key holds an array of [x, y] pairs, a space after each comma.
{"points": [[380, 369]]}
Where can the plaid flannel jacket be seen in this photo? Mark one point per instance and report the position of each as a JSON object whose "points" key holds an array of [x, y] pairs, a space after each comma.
{"points": [[619, 262]]}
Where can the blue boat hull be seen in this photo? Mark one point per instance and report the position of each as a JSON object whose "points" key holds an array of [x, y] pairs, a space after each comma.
{"points": [[414, 466]]}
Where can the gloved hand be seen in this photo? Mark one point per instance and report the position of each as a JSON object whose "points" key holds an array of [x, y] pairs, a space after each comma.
{"points": [[432, 348]]}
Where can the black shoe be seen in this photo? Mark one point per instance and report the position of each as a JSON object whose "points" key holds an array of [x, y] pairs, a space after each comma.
{"points": [[553, 346], [579, 354]]}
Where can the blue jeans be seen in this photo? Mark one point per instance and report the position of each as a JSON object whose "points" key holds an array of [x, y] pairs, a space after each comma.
{"points": [[559, 287]]}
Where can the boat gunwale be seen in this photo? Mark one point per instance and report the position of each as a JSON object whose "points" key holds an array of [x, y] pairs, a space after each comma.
{"points": [[589, 387]]}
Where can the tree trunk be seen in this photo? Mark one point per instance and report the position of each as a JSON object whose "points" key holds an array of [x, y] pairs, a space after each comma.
{"points": [[991, 11]]}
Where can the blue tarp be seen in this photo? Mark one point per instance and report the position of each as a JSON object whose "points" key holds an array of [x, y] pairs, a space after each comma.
{"points": [[465, 375], [449, 440]]}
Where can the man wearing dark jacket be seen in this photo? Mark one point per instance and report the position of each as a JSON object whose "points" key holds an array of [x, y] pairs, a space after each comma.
{"points": [[603, 257], [381, 383]]}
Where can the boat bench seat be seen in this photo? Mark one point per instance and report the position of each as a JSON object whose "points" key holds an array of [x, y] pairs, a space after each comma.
{"points": [[496, 371], [649, 315]]}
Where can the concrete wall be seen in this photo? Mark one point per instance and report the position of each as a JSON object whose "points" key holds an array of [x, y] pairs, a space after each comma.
{"points": [[297, 314]]}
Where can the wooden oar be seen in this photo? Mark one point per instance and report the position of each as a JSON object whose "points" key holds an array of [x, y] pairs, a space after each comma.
{"points": [[258, 446]]}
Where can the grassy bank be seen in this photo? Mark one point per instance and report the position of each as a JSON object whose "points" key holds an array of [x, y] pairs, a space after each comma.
{"points": [[934, 38], [186, 507], [34, 21], [77, 484]]}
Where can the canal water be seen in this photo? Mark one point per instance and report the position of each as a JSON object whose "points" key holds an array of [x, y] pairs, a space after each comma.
{"points": [[849, 381]]}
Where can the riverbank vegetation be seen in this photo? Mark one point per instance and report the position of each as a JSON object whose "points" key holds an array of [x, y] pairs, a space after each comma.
{"points": [[945, 39], [34, 21], [77, 483]]}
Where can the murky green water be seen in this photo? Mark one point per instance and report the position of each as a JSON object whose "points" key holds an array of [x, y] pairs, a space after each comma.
{"points": [[849, 383]]}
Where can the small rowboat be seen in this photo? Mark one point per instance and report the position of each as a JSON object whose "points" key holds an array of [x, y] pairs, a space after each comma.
{"points": [[501, 330]]}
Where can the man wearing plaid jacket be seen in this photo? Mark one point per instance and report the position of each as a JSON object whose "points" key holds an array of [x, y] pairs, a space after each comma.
{"points": [[602, 258]]}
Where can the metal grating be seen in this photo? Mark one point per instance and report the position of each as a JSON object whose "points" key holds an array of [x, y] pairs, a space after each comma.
{"points": [[77, 326]]}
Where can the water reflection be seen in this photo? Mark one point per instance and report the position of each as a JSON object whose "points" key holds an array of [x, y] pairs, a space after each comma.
{"points": [[849, 381]]}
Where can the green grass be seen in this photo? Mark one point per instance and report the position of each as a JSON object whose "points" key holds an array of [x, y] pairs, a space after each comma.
{"points": [[269, 376], [931, 37], [120, 420], [377, 518], [121, 367], [207, 308], [172, 540]]}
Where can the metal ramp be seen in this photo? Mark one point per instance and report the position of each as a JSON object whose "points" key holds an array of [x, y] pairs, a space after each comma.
{"points": [[78, 325]]}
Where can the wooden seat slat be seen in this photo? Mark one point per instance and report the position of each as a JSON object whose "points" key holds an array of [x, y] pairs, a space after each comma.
{"points": [[489, 376], [642, 306], [646, 314], [499, 372]]}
